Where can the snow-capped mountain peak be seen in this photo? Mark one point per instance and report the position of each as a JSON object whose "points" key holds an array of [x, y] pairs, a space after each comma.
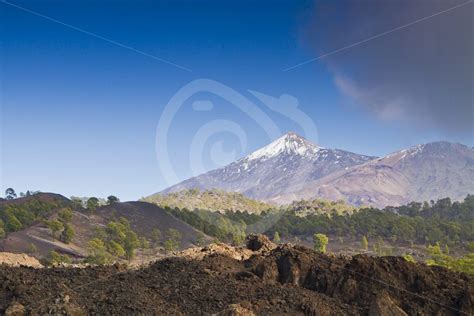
{"points": [[290, 143], [285, 164], [293, 168]]}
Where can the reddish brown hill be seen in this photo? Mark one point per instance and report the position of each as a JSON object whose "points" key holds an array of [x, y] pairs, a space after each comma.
{"points": [[43, 197], [143, 217]]}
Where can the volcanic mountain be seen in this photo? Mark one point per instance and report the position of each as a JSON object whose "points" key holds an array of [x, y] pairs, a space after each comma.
{"points": [[421, 173], [292, 168], [283, 166]]}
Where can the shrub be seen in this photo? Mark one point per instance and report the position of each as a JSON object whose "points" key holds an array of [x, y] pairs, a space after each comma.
{"points": [[320, 242]]}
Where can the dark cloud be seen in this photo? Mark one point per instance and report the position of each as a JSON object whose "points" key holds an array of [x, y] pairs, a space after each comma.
{"points": [[422, 73]]}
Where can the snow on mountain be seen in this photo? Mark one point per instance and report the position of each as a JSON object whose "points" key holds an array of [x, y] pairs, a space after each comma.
{"points": [[292, 168], [285, 164], [420, 173], [288, 144]]}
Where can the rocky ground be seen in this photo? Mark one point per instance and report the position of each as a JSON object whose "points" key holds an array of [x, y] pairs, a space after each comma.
{"points": [[18, 260], [262, 279]]}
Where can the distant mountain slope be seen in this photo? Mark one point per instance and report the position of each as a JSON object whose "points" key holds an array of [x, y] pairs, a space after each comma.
{"points": [[291, 168], [319, 206], [421, 173], [212, 200], [288, 163]]}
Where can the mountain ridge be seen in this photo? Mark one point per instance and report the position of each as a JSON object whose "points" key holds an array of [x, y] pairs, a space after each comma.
{"points": [[292, 168], [420, 173], [211, 200], [274, 168]]}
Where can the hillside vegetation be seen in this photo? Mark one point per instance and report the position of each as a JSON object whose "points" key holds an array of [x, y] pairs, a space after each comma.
{"points": [[51, 226], [21, 213], [55, 229], [212, 200], [442, 221], [320, 206], [438, 230]]}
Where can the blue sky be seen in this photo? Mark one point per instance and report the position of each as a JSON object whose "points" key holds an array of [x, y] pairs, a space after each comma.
{"points": [[80, 114]]}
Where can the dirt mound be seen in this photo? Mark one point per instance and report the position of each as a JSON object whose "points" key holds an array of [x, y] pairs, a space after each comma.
{"points": [[235, 310], [286, 280], [373, 284], [256, 244], [259, 242], [16, 260], [199, 253]]}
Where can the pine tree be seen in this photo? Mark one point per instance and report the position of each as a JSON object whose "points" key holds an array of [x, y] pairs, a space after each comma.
{"points": [[276, 237], [67, 234], [320, 242], [365, 243]]}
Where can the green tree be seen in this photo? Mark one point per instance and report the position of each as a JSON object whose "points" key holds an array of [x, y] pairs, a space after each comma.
{"points": [[76, 203], [276, 237], [174, 234], [115, 249], [200, 239], [169, 245], [111, 199], [67, 234], [65, 215], [320, 242], [173, 241], [118, 240], [144, 243], [131, 243], [156, 236], [92, 204], [402, 229], [446, 249], [238, 238], [54, 258], [2, 230], [470, 246], [409, 258], [55, 226], [365, 243], [32, 249], [10, 194], [379, 246], [462, 264], [12, 224], [116, 231], [97, 252]]}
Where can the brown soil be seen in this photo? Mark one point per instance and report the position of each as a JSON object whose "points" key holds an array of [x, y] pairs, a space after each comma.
{"points": [[285, 280], [17, 260]]}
